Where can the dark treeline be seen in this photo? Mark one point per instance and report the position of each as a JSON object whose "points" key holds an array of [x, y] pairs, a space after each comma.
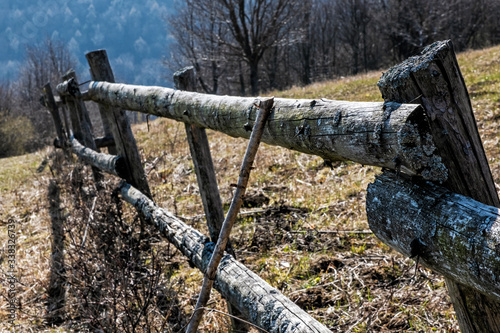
{"points": [[248, 46]]}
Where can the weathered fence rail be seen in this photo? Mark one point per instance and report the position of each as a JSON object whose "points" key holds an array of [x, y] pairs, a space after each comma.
{"points": [[451, 234], [380, 134], [262, 304], [435, 140]]}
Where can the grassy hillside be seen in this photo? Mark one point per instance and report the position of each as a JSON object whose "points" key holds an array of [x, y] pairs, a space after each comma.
{"points": [[304, 229]]}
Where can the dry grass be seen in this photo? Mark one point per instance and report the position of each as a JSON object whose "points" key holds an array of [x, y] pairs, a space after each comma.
{"points": [[349, 281]]}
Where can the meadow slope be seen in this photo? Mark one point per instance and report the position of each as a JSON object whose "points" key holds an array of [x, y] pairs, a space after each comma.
{"points": [[304, 229]]}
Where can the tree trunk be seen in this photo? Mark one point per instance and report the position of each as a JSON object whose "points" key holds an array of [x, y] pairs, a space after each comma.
{"points": [[435, 80], [242, 80], [387, 135], [254, 77]]}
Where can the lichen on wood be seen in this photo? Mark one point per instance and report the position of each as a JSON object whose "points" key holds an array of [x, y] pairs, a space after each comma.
{"points": [[451, 234], [365, 132]]}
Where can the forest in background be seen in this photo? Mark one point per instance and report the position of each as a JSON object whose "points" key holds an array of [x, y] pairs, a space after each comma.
{"points": [[250, 47], [247, 47]]}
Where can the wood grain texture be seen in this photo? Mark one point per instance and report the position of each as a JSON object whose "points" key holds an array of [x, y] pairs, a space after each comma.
{"points": [[121, 131], [452, 234], [262, 304], [388, 135], [434, 80]]}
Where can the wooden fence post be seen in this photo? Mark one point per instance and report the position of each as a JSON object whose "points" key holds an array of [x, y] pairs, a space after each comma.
{"points": [[100, 70], [50, 103], [185, 79], [125, 143], [73, 116], [202, 160], [434, 80], [80, 118]]}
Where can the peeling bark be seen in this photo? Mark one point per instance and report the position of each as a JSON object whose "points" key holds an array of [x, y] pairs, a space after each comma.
{"points": [[262, 304], [388, 135], [451, 234]]}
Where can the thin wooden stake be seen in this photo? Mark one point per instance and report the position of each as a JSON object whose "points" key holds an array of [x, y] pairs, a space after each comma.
{"points": [[265, 107], [185, 79], [50, 103]]}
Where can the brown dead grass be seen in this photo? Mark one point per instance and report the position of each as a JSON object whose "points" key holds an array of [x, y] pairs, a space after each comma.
{"points": [[350, 282]]}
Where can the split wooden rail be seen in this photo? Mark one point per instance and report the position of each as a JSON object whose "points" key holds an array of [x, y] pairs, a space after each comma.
{"points": [[435, 200]]}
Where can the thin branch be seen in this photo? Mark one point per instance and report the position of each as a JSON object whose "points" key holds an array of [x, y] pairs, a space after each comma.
{"points": [[253, 145]]}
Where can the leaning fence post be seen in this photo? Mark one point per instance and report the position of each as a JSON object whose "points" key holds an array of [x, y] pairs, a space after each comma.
{"points": [[100, 70], [185, 79], [434, 80], [125, 143], [70, 91], [265, 107], [80, 118], [50, 103]]}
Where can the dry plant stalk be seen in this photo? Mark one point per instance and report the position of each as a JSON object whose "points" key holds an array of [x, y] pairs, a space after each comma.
{"points": [[265, 107]]}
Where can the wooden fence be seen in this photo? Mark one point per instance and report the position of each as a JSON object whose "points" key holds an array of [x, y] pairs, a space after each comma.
{"points": [[435, 200]]}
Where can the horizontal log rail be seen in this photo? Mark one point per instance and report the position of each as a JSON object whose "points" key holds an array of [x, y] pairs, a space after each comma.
{"points": [[450, 233], [265, 306], [389, 135], [437, 139], [111, 164]]}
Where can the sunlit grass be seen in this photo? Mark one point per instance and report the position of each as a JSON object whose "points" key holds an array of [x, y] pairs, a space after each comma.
{"points": [[345, 280], [362, 87]]}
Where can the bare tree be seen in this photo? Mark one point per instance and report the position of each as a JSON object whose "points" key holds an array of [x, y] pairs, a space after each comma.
{"points": [[231, 42], [198, 33], [233, 31], [45, 62]]}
